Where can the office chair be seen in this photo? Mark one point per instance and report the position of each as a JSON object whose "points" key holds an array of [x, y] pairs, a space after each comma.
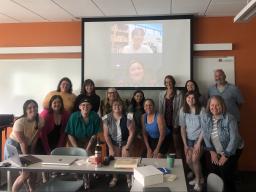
{"points": [[214, 183], [60, 183]]}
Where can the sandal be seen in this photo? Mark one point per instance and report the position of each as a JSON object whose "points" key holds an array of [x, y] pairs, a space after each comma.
{"points": [[86, 181], [197, 187], [129, 183], [113, 182]]}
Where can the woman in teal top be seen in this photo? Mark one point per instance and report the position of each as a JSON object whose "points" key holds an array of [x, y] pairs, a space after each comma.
{"points": [[83, 126]]}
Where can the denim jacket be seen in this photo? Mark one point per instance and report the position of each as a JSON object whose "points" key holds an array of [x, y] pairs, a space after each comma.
{"points": [[229, 136]]}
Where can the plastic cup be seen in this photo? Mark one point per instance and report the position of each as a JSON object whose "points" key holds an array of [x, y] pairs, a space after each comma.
{"points": [[170, 160]]}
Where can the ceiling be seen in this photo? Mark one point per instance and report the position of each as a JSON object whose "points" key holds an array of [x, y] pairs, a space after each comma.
{"points": [[23, 11]]}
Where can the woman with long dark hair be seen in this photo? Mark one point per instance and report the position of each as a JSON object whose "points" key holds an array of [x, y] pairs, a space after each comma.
{"points": [[88, 91], [192, 135], [56, 117], [24, 137], [136, 107]]}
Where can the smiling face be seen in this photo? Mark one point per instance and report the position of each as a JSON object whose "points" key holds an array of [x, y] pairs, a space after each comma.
{"points": [[149, 106], [64, 86], [138, 97], [56, 104], [136, 72], [85, 108], [31, 110], [168, 83], [190, 86], [220, 77], [137, 38], [190, 99], [89, 88], [215, 107], [117, 107]]}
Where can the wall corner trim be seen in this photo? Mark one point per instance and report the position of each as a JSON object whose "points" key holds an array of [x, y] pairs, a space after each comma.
{"points": [[213, 47]]}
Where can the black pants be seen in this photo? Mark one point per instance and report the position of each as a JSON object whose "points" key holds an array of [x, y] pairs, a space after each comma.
{"points": [[227, 171]]}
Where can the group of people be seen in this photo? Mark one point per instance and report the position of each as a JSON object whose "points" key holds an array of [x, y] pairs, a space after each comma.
{"points": [[186, 122]]}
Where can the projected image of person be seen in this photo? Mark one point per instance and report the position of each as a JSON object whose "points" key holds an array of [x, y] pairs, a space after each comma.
{"points": [[137, 75], [136, 45]]}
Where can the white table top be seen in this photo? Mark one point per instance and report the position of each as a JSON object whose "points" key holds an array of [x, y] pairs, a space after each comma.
{"points": [[179, 184], [74, 167]]}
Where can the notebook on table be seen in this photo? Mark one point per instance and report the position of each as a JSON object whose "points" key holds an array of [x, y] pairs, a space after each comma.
{"points": [[20, 161], [156, 189], [126, 163], [56, 160]]}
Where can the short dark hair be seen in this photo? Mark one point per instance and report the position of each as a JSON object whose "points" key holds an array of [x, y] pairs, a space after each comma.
{"points": [[137, 31], [51, 101], [69, 81]]}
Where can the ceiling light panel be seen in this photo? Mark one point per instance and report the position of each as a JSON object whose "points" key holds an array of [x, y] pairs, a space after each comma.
{"points": [[153, 7], [116, 7], [47, 9], [80, 8], [195, 7], [225, 7]]}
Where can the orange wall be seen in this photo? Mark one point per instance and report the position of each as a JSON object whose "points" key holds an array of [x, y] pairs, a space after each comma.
{"points": [[243, 38], [40, 34], [205, 30]]}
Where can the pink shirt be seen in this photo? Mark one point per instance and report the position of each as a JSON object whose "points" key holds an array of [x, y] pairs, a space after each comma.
{"points": [[49, 126]]}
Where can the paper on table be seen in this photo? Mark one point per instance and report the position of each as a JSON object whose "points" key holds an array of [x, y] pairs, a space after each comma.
{"points": [[169, 177], [126, 163], [82, 162]]}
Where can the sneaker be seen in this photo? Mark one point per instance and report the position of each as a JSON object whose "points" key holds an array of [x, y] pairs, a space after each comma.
{"points": [[193, 181], [113, 182], [197, 187]]}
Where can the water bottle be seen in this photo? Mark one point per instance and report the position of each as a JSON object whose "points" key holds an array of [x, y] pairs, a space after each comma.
{"points": [[98, 153]]}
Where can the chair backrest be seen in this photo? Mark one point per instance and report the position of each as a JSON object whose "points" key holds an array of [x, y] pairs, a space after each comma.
{"points": [[214, 183], [69, 151]]}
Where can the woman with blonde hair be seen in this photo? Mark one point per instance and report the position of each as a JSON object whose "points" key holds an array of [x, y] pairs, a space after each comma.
{"points": [[222, 140], [119, 131], [106, 103]]}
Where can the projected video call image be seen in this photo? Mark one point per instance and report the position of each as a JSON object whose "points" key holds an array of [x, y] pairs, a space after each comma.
{"points": [[137, 53], [136, 38]]}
